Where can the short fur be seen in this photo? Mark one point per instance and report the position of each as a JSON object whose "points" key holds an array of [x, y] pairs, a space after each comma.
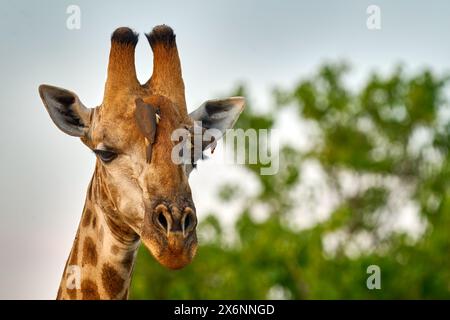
{"points": [[161, 35], [129, 200], [125, 36]]}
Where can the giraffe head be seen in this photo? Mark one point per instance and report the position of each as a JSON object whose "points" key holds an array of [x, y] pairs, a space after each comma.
{"points": [[131, 133]]}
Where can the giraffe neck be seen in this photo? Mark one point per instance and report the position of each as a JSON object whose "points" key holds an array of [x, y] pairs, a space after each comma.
{"points": [[101, 261]]}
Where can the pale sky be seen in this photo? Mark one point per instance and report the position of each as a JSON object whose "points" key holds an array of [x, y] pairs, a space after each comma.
{"points": [[44, 173]]}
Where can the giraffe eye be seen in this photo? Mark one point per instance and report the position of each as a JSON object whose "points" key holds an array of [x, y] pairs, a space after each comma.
{"points": [[105, 155]]}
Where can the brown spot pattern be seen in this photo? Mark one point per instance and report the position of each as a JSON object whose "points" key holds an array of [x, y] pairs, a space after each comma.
{"points": [[89, 252], [114, 249], [89, 290], [112, 281], [87, 217], [72, 293]]}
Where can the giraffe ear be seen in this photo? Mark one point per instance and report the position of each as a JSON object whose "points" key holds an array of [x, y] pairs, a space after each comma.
{"points": [[66, 110], [219, 114]]}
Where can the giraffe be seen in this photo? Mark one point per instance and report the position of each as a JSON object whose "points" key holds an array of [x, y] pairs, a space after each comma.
{"points": [[137, 193]]}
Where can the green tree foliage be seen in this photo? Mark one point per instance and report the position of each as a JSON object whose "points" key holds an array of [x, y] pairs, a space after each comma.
{"points": [[381, 149]]}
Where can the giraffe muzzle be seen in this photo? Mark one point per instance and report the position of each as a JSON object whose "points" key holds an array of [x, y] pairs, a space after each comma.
{"points": [[173, 221], [170, 234]]}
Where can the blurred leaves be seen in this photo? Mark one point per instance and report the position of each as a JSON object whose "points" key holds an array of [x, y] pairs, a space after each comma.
{"points": [[382, 148]]}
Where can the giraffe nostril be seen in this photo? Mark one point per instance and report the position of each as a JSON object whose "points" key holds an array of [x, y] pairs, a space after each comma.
{"points": [[162, 218], [172, 221], [162, 221], [187, 222]]}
